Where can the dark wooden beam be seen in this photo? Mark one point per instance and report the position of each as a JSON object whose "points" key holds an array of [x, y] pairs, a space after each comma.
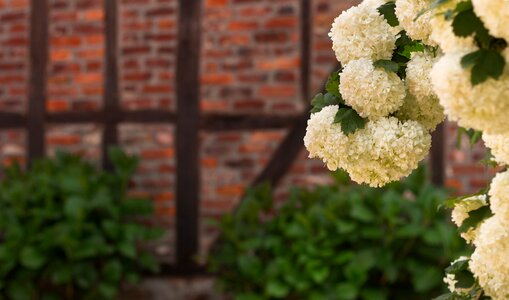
{"points": [[111, 90], [306, 19], [437, 157], [37, 85], [285, 154], [12, 120], [222, 122], [187, 132]]}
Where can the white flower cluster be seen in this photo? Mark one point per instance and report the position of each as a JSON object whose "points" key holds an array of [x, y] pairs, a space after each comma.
{"points": [[460, 214], [480, 107], [388, 148], [373, 93], [361, 32], [416, 26], [384, 151], [442, 32], [499, 145], [494, 14], [421, 103], [491, 238]]}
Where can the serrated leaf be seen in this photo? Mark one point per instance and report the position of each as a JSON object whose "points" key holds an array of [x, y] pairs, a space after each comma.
{"points": [[332, 85], [388, 11], [387, 65], [490, 64], [320, 101], [349, 119], [411, 48], [32, 258], [464, 279], [471, 59], [458, 266], [466, 23], [475, 217]]}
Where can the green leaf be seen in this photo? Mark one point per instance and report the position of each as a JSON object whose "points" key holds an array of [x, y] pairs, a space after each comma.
{"points": [[32, 258], [127, 249], [411, 48], [108, 291], [466, 23], [475, 217], [387, 65], [74, 207], [276, 289], [320, 274], [388, 11], [112, 271], [465, 279], [350, 120], [332, 85], [458, 266], [320, 101], [346, 291], [62, 275], [490, 64]]}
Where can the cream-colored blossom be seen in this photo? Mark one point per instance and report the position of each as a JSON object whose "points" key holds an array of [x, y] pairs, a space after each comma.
{"points": [[499, 145], [416, 28], [461, 212], [374, 3], [494, 14], [387, 150], [480, 107], [384, 151], [324, 139], [421, 104], [372, 92], [499, 194], [488, 262], [361, 32], [442, 31]]}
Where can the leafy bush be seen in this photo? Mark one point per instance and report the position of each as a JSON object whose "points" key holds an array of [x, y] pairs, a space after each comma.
{"points": [[338, 242], [67, 230]]}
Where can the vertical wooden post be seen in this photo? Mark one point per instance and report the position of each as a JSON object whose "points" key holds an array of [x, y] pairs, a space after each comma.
{"points": [[306, 23], [187, 132], [437, 157], [111, 89], [37, 86]]}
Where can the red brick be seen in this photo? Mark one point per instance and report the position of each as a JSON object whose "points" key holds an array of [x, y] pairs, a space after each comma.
{"points": [[277, 91]]}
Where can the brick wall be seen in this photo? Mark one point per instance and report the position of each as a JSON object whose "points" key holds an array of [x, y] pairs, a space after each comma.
{"points": [[250, 64]]}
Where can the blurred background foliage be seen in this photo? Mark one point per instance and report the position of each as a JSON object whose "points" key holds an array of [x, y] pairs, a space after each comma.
{"points": [[69, 230], [338, 242]]}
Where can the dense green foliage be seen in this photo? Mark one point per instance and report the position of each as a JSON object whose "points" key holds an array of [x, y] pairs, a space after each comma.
{"points": [[338, 242], [67, 230]]}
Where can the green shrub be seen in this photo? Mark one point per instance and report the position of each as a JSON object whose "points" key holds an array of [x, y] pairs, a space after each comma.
{"points": [[67, 230], [337, 242]]}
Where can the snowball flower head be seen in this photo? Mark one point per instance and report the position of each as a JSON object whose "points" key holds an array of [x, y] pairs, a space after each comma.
{"points": [[499, 193], [479, 107], [494, 14], [442, 32], [499, 145], [421, 103], [361, 32], [324, 139], [417, 29], [488, 260], [371, 91], [461, 212], [386, 150]]}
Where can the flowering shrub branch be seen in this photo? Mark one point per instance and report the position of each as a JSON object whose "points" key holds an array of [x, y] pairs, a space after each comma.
{"points": [[407, 64]]}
